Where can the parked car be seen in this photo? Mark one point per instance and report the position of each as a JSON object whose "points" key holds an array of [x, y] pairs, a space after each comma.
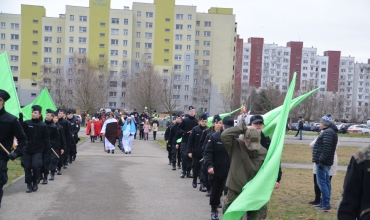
{"points": [[315, 127], [358, 129], [343, 128], [294, 126], [307, 127]]}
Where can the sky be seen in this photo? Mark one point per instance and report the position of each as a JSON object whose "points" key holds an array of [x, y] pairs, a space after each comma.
{"points": [[342, 25]]}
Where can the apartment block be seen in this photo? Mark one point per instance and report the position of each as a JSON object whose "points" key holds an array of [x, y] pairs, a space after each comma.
{"points": [[199, 48]]}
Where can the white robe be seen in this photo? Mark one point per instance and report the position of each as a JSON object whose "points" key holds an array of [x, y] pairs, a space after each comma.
{"points": [[108, 145], [127, 143]]}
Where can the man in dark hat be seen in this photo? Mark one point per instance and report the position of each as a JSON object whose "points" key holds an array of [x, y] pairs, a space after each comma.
{"points": [[166, 138], [9, 128], [195, 149], [183, 132], [38, 139], [75, 128], [172, 142], [68, 136], [300, 128], [49, 158], [59, 149]]}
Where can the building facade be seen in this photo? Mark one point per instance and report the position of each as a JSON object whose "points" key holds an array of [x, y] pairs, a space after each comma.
{"points": [[199, 48]]}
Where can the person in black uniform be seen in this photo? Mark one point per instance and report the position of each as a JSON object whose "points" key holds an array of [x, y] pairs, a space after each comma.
{"points": [[59, 149], [75, 128], [49, 158], [68, 136], [217, 162], [195, 149], [172, 141], [38, 139], [166, 137], [10, 127], [183, 131]]}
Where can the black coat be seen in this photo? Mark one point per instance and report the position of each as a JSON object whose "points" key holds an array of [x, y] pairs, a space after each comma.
{"points": [[10, 127], [325, 145], [173, 132], [62, 139], [38, 136], [183, 131], [67, 132], [194, 146], [53, 134], [205, 137], [216, 156], [167, 133]]}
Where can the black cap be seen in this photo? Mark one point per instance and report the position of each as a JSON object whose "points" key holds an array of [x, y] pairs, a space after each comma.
{"points": [[49, 111], [60, 110], [36, 108], [191, 108], [203, 117], [69, 112], [228, 122], [4, 95], [256, 118], [155, 110], [216, 118]]}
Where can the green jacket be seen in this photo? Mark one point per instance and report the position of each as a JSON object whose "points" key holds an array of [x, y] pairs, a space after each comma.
{"points": [[244, 164]]}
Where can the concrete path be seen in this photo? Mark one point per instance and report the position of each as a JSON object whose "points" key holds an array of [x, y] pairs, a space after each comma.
{"points": [[307, 166]]}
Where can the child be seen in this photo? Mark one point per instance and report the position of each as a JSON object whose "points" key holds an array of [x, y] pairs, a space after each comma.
{"points": [[146, 129]]}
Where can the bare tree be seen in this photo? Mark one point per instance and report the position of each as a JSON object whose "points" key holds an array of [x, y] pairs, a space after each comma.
{"points": [[202, 87], [363, 112], [172, 92], [226, 90]]}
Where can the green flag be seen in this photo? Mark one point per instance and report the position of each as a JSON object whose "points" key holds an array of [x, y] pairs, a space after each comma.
{"points": [[257, 192], [44, 100], [271, 118], [7, 83]]}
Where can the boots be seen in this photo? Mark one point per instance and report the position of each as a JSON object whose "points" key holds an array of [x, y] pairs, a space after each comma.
{"points": [[214, 215], [59, 172], [188, 175], [52, 173], [194, 184], [183, 174], [108, 151], [39, 179], [208, 194], [35, 187], [112, 151], [173, 166], [202, 188], [29, 188], [45, 180], [169, 162]]}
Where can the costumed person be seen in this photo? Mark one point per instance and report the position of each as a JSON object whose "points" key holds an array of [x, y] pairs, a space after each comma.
{"points": [[38, 139], [67, 134], [10, 127], [195, 149], [59, 149], [47, 154], [128, 131], [121, 122], [146, 129], [99, 125], [155, 125], [109, 131], [90, 129]]}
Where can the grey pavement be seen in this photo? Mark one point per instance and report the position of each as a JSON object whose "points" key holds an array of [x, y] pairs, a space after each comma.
{"points": [[343, 141], [307, 166]]}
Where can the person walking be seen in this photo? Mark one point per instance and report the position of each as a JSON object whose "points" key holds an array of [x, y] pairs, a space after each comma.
{"points": [[57, 163], [10, 127], [300, 128], [146, 129], [109, 131], [38, 139], [128, 132], [323, 157], [91, 130], [67, 134], [166, 139], [183, 132], [175, 148], [155, 126]]}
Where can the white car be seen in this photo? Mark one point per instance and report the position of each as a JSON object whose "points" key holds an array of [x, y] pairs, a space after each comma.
{"points": [[359, 129]]}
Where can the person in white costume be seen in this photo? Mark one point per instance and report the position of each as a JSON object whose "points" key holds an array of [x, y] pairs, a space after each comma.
{"points": [[109, 131], [128, 131]]}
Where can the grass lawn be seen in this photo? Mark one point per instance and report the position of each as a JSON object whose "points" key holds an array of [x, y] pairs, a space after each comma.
{"points": [[290, 201], [14, 169], [311, 133], [302, 153], [162, 143]]}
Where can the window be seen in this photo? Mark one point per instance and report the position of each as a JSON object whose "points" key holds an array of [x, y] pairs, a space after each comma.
{"points": [[178, 47], [207, 24], [198, 23], [190, 16], [178, 26], [189, 27], [178, 57], [14, 68], [187, 57], [59, 29], [188, 37], [207, 43], [114, 52], [101, 45], [47, 59], [177, 77], [82, 50], [71, 28], [205, 72], [12, 47], [197, 33], [114, 31], [83, 29], [47, 49], [59, 40], [148, 35], [124, 53], [82, 40], [71, 17], [137, 44], [16, 26], [113, 94], [102, 34], [165, 60], [207, 33], [125, 21], [323, 69], [137, 34], [124, 42], [71, 49], [16, 37], [138, 13], [196, 42], [34, 53], [167, 30], [34, 63], [179, 16], [14, 58], [138, 24], [323, 62], [15, 79], [149, 14], [176, 87], [166, 40], [188, 47], [148, 55], [187, 67], [71, 39], [206, 53], [148, 24], [178, 36], [48, 28], [35, 32], [115, 20], [177, 67], [137, 55], [114, 42], [196, 52], [3, 25], [167, 20], [114, 63], [166, 50], [83, 18], [148, 45], [59, 60], [206, 62]]}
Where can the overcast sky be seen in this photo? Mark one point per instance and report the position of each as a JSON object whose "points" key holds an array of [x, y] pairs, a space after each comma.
{"points": [[325, 24]]}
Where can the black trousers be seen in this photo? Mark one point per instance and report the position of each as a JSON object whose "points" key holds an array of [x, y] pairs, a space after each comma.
{"points": [[3, 175], [196, 167], [154, 135], [185, 159], [217, 187], [141, 134], [169, 149], [175, 152], [204, 176], [46, 160], [31, 164], [317, 189], [66, 154], [60, 161], [54, 160]]}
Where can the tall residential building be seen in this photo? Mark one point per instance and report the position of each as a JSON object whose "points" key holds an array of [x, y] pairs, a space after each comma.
{"points": [[260, 65], [199, 48]]}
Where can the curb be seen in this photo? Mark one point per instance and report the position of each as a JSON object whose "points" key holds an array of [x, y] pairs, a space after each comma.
{"points": [[20, 177]]}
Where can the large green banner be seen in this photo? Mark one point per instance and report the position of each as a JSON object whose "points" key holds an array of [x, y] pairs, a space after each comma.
{"points": [[44, 100]]}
